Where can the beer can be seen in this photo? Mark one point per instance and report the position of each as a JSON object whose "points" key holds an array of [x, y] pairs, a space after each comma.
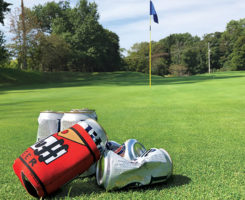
{"points": [[131, 149], [48, 123], [115, 172], [76, 115], [92, 123], [110, 145]]}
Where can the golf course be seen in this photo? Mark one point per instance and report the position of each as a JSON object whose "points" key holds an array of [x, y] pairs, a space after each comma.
{"points": [[199, 120]]}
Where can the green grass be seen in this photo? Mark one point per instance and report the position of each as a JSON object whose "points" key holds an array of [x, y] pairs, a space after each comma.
{"points": [[199, 120]]}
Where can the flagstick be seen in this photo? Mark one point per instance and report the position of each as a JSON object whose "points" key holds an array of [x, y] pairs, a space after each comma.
{"points": [[150, 55]]}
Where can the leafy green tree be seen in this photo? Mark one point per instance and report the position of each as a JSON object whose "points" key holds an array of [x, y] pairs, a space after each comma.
{"points": [[234, 30], [177, 43], [190, 59], [164, 46], [238, 55], [86, 36], [109, 59], [3, 52], [3, 9], [178, 70], [93, 47], [137, 59], [55, 30], [53, 53], [50, 12], [159, 66], [214, 39], [161, 57]]}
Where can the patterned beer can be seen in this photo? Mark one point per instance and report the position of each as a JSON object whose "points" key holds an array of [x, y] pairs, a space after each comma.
{"points": [[75, 116], [48, 123], [56, 160]]}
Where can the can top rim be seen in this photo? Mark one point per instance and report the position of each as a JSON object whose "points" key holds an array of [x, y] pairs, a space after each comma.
{"points": [[50, 111], [79, 112]]}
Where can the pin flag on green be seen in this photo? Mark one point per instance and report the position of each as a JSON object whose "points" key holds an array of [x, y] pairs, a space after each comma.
{"points": [[155, 18]]}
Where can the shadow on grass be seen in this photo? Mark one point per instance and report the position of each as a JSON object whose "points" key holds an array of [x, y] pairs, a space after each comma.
{"points": [[78, 187], [176, 180], [88, 186], [110, 78]]}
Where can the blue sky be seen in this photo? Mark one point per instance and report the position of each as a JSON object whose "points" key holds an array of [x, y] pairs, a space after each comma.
{"points": [[130, 18]]}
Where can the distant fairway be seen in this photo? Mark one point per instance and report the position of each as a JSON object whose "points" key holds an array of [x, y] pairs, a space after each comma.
{"points": [[199, 120]]}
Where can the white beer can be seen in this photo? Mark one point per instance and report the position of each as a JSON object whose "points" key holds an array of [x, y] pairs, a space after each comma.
{"points": [[114, 172], [74, 116], [48, 124]]}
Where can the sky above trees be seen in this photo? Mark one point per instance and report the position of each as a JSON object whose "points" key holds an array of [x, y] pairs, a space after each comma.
{"points": [[130, 18]]}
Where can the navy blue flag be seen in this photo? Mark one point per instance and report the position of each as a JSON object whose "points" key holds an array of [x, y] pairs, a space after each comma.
{"points": [[153, 12]]}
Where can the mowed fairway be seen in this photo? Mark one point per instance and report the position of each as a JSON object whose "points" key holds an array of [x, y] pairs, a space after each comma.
{"points": [[199, 120]]}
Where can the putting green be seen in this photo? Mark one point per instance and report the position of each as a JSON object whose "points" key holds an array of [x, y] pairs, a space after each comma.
{"points": [[199, 120]]}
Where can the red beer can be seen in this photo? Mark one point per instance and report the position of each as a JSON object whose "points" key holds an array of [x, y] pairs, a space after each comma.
{"points": [[50, 163]]}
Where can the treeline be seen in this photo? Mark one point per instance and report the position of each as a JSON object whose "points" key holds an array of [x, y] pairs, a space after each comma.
{"points": [[57, 37], [184, 54]]}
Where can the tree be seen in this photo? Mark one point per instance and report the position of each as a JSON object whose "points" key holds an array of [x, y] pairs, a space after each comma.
{"points": [[3, 9], [93, 47], [178, 42], [234, 30], [24, 38], [164, 46], [32, 29], [137, 59], [161, 57], [55, 30], [109, 59], [3, 52], [177, 70], [50, 12], [159, 66], [190, 59], [49, 53], [184, 52], [238, 55], [216, 49], [86, 36]]}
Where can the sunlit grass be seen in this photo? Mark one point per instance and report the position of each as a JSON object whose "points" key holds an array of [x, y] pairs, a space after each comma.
{"points": [[199, 120]]}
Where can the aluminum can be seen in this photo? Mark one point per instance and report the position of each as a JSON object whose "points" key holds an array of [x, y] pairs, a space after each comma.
{"points": [[76, 115], [131, 149], [110, 145], [48, 123], [115, 172]]}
